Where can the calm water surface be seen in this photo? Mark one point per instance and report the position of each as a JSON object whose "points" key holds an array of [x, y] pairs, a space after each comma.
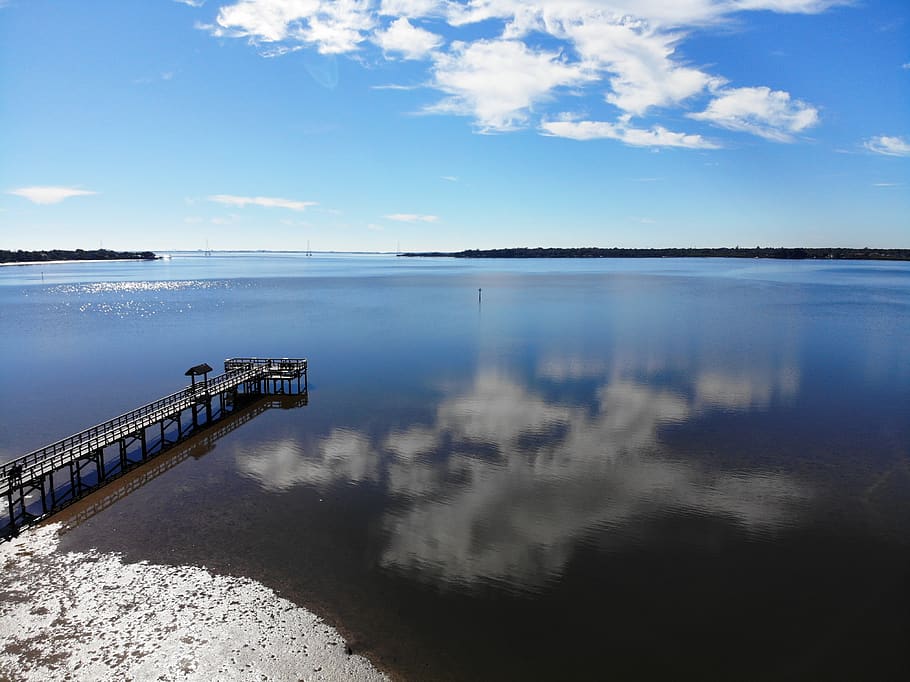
{"points": [[605, 469]]}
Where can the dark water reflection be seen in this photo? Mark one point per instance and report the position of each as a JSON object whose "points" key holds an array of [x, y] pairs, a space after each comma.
{"points": [[608, 470], [502, 485]]}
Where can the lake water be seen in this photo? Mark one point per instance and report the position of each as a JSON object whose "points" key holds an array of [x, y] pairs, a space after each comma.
{"points": [[597, 469]]}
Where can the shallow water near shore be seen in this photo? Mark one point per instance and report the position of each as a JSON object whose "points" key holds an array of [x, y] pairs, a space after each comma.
{"points": [[515, 469]]}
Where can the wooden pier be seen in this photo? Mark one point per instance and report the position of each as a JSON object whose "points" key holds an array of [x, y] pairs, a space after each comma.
{"points": [[48, 479]]}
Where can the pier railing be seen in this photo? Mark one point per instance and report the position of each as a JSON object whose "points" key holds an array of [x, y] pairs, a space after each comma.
{"points": [[85, 442], [286, 366], [35, 470]]}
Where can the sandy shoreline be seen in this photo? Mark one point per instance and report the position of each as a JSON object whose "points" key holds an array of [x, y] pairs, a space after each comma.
{"points": [[89, 616]]}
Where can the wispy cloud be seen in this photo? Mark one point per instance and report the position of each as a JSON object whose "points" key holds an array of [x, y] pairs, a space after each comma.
{"points": [[163, 76], [266, 202], [889, 146], [635, 137], [887, 184], [394, 86], [49, 195], [449, 178], [770, 114], [191, 3], [412, 218]]}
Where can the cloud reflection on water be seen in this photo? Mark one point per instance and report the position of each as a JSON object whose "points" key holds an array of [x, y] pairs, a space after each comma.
{"points": [[715, 389], [503, 483]]}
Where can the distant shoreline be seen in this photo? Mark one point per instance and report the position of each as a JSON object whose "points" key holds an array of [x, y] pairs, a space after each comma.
{"points": [[757, 252], [62, 262], [54, 256]]}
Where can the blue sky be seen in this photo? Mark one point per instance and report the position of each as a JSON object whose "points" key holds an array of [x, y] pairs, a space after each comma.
{"points": [[442, 124]]}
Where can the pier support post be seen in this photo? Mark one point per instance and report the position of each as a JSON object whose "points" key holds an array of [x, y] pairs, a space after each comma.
{"points": [[44, 508], [12, 511], [22, 501]]}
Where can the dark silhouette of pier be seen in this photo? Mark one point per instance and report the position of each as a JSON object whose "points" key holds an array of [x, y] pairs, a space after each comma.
{"points": [[48, 479]]}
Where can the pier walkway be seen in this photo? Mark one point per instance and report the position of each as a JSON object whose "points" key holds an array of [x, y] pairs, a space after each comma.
{"points": [[45, 480]]}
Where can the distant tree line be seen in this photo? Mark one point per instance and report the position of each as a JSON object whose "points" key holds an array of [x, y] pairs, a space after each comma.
{"points": [[78, 254], [726, 252]]}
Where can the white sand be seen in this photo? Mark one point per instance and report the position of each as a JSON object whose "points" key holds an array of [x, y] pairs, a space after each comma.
{"points": [[89, 616]]}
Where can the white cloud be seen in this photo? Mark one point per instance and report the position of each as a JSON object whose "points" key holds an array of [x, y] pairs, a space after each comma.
{"points": [[449, 178], [412, 218], [49, 195], [191, 3], [625, 51], [770, 114], [889, 146], [636, 137], [412, 42], [497, 81], [334, 27], [625, 43], [267, 202], [412, 8]]}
